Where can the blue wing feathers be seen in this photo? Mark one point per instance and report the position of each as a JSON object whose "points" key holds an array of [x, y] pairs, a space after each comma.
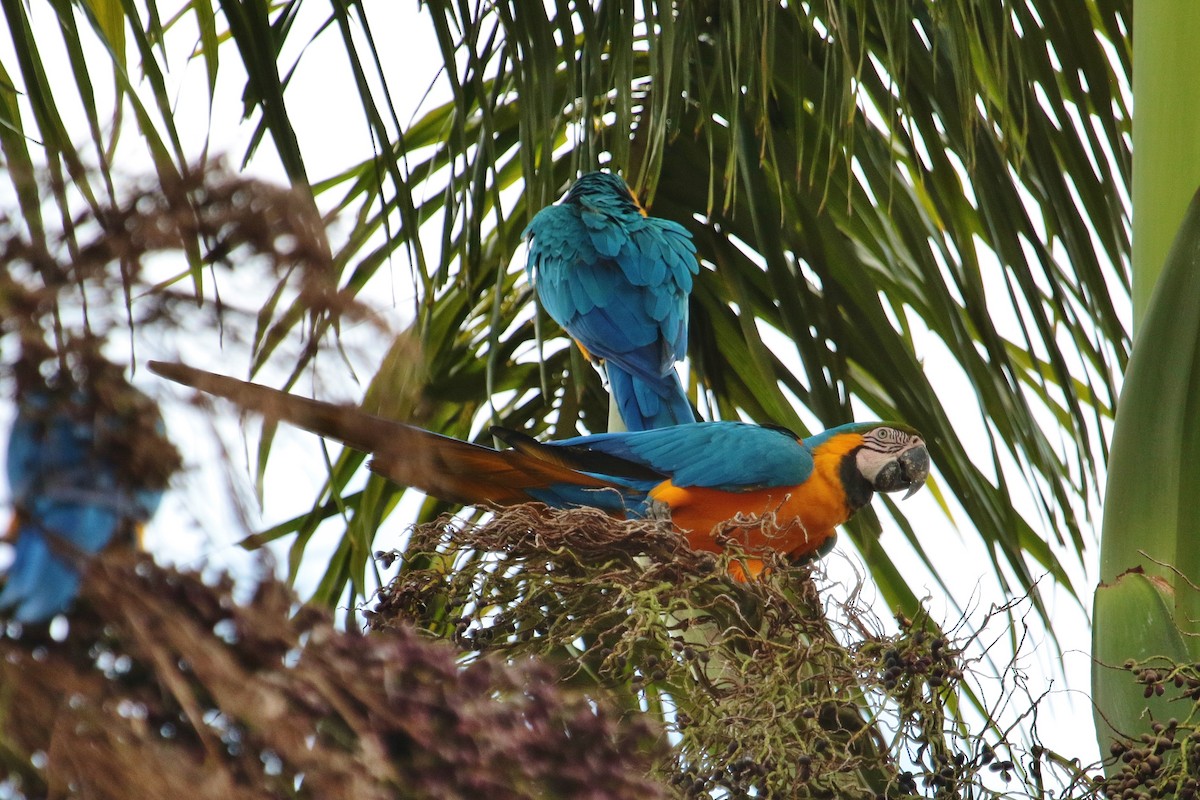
{"points": [[734, 456], [71, 499], [44, 578], [610, 500], [618, 282], [30, 561]]}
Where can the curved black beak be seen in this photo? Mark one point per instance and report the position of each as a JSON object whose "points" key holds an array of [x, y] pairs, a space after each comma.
{"points": [[908, 471]]}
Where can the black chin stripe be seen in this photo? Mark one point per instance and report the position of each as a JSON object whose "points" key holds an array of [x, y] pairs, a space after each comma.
{"points": [[858, 490]]}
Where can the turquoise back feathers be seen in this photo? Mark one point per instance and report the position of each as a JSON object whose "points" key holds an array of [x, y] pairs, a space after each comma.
{"points": [[618, 282]]}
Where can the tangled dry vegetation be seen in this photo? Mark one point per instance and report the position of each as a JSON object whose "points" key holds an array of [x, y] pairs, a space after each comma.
{"points": [[584, 658], [768, 689], [166, 684]]}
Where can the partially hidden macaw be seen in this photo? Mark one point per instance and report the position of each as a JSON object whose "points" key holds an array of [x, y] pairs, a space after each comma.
{"points": [[696, 476], [617, 281], [86, 469]]}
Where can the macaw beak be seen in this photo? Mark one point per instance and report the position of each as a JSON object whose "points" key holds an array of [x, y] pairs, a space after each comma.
{"points": [[908, 471]]}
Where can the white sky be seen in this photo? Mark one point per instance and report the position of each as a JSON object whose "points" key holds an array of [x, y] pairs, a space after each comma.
{"points": [[196, 528]]}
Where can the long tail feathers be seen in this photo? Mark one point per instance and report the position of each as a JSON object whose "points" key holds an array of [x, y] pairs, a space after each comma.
{"points": [[577, 458], [438, 465], [645, 405]]}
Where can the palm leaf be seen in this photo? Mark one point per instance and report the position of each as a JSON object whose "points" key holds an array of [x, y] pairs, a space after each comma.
{"points": [[837, 147], [869, 180]]}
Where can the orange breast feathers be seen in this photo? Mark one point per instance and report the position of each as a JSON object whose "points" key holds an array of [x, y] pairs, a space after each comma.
{"points": [[807, 514]]}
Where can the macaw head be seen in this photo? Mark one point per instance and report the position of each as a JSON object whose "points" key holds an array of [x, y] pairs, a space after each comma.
{"points": [[892, 457], [604, 191]]}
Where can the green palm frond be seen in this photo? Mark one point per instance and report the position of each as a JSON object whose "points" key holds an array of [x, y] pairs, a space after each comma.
{"points": [[862, 181], [869, 180]]}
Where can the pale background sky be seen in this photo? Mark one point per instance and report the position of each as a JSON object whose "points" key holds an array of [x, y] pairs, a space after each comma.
{"points": [[197, 526]]}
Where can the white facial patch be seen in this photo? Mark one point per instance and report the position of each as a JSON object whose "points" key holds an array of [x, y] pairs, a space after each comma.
{"points": [[889, 440], [880, 447]]}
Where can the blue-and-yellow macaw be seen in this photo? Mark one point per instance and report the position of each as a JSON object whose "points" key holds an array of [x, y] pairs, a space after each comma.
{"points": [[618, 281], [87, 467], [696, 476]]}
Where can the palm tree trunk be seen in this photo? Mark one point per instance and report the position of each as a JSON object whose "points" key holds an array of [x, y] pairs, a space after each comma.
{"points": [[1146, 604]]}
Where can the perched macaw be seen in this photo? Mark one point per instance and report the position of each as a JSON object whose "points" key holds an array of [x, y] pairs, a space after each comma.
{"points": [[696, 475], [86, 468], [618, 282]]}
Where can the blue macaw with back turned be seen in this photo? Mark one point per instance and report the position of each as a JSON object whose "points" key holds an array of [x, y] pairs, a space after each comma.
{"points": [[88, 462], [694, 476], [618, 281]]}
